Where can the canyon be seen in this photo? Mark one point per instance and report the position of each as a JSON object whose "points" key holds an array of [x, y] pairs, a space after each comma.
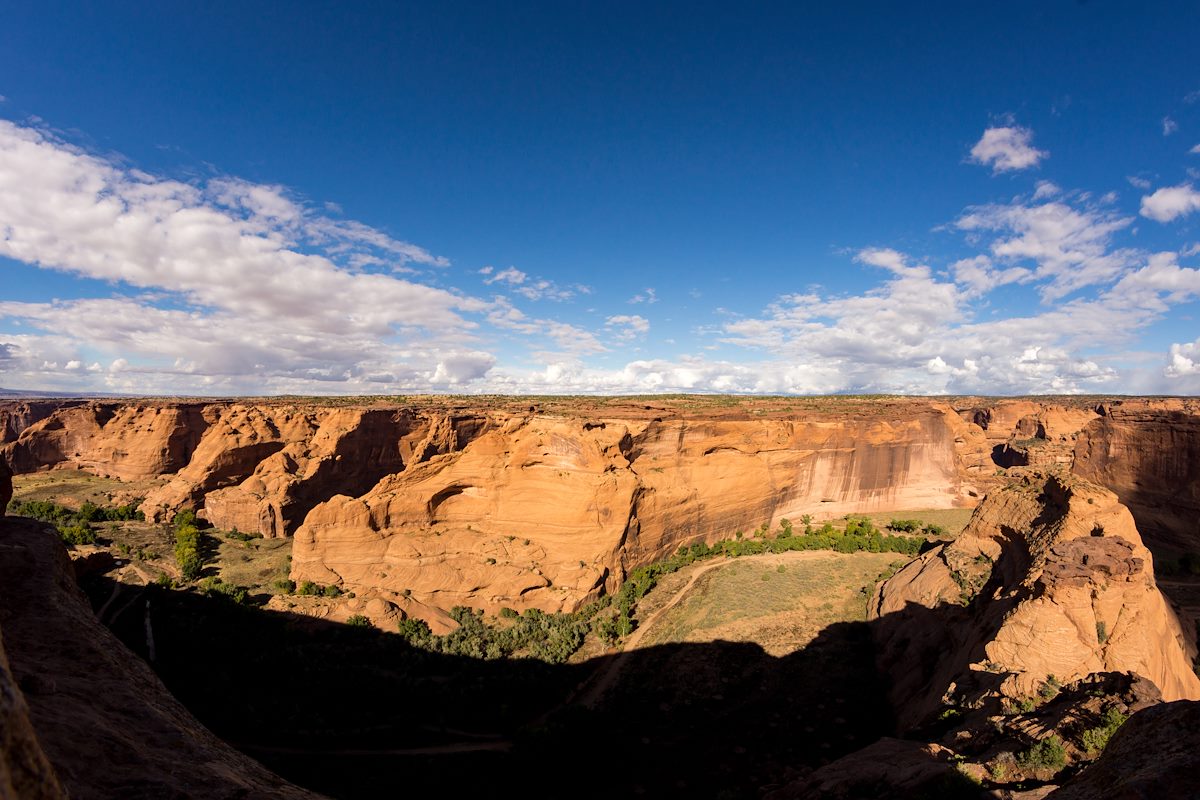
{"points": [[432, 503], [410, 508]]}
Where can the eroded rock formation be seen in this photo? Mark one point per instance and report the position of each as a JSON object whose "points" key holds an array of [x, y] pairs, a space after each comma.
{"points": [[502, 503], [550, 511], [1050, 578]]}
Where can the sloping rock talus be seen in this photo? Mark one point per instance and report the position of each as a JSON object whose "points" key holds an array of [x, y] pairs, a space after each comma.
{"points": [[1050, 578], [102, 718]]}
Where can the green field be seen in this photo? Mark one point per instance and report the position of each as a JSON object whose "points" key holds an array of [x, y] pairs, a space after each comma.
{"points": [[779, 601]]}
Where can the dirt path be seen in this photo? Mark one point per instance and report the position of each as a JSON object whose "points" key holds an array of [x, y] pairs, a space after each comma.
{"points": [[602, 680]]}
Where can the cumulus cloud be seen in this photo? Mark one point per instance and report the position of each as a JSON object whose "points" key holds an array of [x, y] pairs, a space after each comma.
{"points": [[269, 287], [1170, 202], [1069, 246], [1184, 360], [1006, 149], [1169, 126]]}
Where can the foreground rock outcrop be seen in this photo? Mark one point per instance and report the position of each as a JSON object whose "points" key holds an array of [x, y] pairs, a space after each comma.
{"points": [[1050, 579], [100, 715], [1154, 755]]}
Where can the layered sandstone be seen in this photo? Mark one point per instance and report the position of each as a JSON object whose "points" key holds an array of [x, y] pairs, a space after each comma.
{"points": [[503, 502], [550, 511], [1050, 578], [1148, 452], [104, 721], [127, 441]]}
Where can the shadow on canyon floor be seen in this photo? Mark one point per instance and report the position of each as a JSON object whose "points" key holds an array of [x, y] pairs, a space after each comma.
{"points": [[355, 712]]}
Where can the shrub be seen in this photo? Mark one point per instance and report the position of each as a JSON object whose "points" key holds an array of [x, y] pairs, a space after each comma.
{"points": [[359, 621], [1048, 754], [1094, 740], [1049, 688], [77, 533], [905, 525], [307, 588], [285, 585], [332, 591], [187, 550], [415, 631]]}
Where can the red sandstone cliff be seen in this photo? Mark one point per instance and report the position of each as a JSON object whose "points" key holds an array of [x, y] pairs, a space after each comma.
{"points": [[1148, 452], [1050, 578], [503, 503]]}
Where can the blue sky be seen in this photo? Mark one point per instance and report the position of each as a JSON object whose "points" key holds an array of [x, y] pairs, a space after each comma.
{"points": [[600, 197]]}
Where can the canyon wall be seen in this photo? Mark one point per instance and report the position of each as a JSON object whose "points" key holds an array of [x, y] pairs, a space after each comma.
{"points": [[550, 511], [443, 501], [1149, 454]]}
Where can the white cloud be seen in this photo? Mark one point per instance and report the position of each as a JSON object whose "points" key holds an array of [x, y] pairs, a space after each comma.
{"points": [[1070, 246], [536, 289], [1169, 126], [979, 276], [1184, 360], [1007, 148], [1194, 151], [1170, 202], [647, 296], [512, 276], [628, 326], [891, 260], [1046, 189], [1139, 183], [545, 290], [264, 298]]}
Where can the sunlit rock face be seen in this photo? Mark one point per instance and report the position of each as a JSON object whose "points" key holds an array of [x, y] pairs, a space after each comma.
{"points": [[503, 502], [1049, 578], [549, 511]]}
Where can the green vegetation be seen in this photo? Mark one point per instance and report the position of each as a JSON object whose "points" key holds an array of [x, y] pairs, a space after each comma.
{"points": [[75, 527], [317, 590], [1094, 740], [215, 587], [187, 546], [359, 621], [1049, 688], [1048, 754], [554, 637], [241, 537], [535, 634]]}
